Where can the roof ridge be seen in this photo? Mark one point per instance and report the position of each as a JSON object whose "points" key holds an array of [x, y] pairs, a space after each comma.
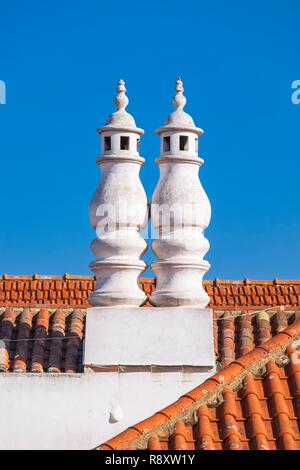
{"points": [[54, 277], [216, 281], [247, 281], [185, 407]]}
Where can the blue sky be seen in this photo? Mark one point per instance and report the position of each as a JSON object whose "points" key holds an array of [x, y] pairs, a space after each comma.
{"points": [[60, 61]]}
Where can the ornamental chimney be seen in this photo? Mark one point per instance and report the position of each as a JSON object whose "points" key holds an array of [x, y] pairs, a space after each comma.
{"points": [[180, 211], [146, 357], [119, 211]]}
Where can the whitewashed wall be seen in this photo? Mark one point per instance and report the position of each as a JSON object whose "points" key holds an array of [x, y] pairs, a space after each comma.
{"points": [[72, 411]]}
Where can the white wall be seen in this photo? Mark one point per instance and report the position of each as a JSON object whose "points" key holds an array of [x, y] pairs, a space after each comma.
{"points": [[145, 336], [72, 411]]}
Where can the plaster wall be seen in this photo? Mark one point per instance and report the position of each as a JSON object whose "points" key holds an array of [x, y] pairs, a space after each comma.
{"points": [[149, 336], [60, 411]]}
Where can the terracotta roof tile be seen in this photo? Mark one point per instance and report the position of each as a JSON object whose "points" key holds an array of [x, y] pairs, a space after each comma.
{"points": [[31, 340], [22, 347], [74, 343], [74, 290], [56, 346], [44, 348], [47, 309], [255, 406]]}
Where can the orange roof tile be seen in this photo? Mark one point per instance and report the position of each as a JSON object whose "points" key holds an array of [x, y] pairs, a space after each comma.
{"points": [[74, 291], [253, 403], [23, 300], [41, 340], [48, 339]]}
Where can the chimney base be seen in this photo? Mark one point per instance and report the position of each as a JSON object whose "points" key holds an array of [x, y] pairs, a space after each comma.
{"points": [[158, 339]]}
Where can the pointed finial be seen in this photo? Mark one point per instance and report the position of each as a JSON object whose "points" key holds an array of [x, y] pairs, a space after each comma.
{"points": [[121, 100], [179, 100]]}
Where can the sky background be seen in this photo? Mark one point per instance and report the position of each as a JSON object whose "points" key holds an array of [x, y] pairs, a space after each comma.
{"points": [[61, 60]]}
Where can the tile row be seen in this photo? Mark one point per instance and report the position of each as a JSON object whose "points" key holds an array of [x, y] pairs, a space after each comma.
{"points": [[42, 340], [72, 290]]}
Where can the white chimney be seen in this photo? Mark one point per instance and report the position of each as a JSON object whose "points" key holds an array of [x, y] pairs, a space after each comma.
{"points": [[146, 358], [118, 212], [180, 211]]}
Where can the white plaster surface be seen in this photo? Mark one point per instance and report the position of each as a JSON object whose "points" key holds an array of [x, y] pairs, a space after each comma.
{"points": [[72, 411], [146, 336]]}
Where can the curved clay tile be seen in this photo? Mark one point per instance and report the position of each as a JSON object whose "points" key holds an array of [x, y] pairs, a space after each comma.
{"points": [[280, 320], [229, 426], [227, 338], [56, 344], [39, 346], [22, 347], [245, 343], [154, 443], [73, 344], [179, 438], [280, 414], [263, 327], [7, 326], [205, 432], [294, 376], [254, 415]]}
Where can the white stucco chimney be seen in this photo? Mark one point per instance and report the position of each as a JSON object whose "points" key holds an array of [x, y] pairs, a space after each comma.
{"points": [[147, 357], [180, 211], [118, 211]]}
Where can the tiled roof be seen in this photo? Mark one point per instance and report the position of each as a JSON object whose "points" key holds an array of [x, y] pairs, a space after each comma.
{"points": [[52, 291], [74, 290], [253, 403], [55, 336], [252, 294], [40, 310], [238, 332], [38, 340]]}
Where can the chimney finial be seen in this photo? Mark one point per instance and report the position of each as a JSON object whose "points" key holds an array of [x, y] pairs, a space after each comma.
{"points": [[121, 100], [179, 100]]}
